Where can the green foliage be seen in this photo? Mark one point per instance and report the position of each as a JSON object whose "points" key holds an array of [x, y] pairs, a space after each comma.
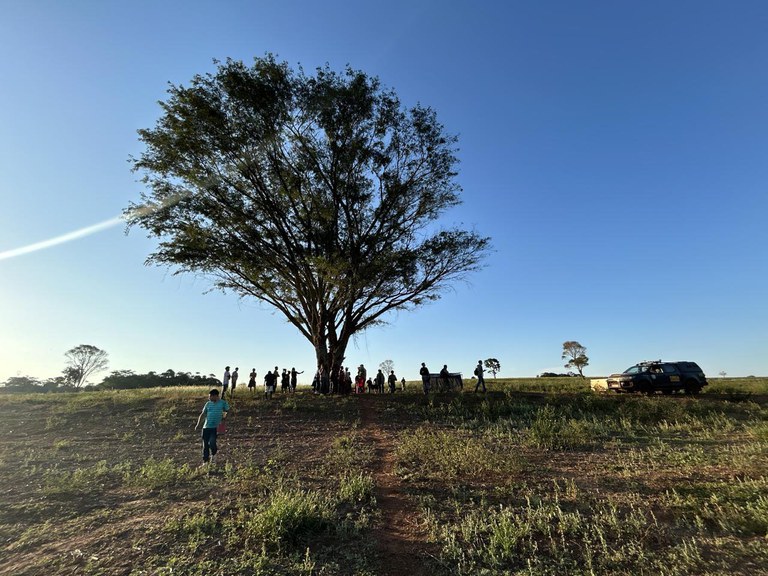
{"points": [[576, 354], [356, 488], [127, 380], [492, 365]]}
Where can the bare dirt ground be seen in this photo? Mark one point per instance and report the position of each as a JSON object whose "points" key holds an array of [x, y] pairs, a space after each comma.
{"points": [[400, 541], [83, 525]]}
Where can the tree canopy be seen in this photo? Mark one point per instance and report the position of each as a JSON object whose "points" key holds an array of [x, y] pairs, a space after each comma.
{"points": [[492, 365], [320, 195], [83, 361], [576, 354]]}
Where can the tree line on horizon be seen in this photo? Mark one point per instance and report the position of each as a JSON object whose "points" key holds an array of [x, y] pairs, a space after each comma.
{"points": [[117, 380], [85, 360]]}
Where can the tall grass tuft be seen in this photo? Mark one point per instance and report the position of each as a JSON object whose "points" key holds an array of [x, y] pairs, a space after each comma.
{"points": [[443, 454], [155, 474], [544, 538], [552, 431]]}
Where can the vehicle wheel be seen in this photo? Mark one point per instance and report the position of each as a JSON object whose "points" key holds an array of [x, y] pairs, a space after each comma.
{"points": [[692, 388], [647, 389]]}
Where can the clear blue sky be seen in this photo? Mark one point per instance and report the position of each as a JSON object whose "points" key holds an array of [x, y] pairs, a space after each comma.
{"points": [[616, 152]]}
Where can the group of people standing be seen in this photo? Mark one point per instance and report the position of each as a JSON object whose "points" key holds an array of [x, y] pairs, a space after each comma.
{"points": [[287, 381], [340, 381]]}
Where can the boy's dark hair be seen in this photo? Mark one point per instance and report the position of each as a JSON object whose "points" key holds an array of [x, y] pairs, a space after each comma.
{"points": [[214, 392]]}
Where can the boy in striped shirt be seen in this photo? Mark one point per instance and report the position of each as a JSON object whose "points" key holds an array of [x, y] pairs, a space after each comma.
{"points": [[215, 410]]}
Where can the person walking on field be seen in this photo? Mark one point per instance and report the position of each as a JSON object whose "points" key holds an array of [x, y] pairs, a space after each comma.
{"points": [[214, 411], [479, 373], [392, 380], [225, 382], [235, 376], [425, 377], [402, 383], [252, 381]]}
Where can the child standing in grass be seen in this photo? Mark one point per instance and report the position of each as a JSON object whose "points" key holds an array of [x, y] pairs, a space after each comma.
{"points": [[215, 410]]}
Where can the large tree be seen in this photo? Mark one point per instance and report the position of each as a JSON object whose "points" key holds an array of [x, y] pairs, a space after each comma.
{"points": [[83, 361], [317, 194], [576, 354]]}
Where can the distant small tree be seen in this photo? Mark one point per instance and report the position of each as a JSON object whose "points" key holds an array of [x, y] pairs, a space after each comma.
{"points": [[723, 374], [84, 360], [493, 366], [576, 354], [387, 366]]}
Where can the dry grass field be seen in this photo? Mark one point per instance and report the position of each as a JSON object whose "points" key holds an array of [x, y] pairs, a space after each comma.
{"points": [[536, 477]]}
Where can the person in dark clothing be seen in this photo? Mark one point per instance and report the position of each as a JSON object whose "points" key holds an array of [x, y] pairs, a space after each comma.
{"points": [[293, 378], [479, 373], [270, 382], [424, 372], [392, 380], [285, 381], [235, 375], [335, 379], [325, 381], [347, 379], [445, 377]]}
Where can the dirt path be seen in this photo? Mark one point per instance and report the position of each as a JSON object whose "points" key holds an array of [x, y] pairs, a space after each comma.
{"points": [[401, 542]]}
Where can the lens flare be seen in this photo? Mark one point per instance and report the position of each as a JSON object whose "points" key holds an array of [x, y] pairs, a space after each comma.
{"points": [[64, 238], [137, 212]]}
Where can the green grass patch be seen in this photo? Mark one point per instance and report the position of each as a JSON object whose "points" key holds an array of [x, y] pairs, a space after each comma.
{"points": [[547, 537], [427, 454], [156, 474]]}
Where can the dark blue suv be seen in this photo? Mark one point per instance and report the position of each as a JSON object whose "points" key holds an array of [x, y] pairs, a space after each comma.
{"points": [[655, 375]]}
